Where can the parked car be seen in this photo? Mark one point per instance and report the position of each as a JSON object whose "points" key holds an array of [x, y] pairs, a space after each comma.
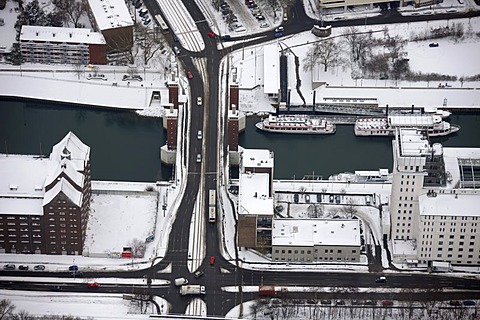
{"points": [[77, 274], [264, 25], [211, 34], [146, 22], [9, 267], [180, 282], [73, 268], [56, 288], [226, 37], [176, 50], [93, 284], [23, 267], [295, 198], [197, 274], [279, 29], [433, 45], [260, 18], [387, 303], [454, 303], [190, 75], [278, 34], [39, 267], [469, 303], [212, 260]]}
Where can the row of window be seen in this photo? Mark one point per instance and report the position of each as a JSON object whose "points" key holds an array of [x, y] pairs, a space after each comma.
{"points": [[316, 259], [310, 251]]}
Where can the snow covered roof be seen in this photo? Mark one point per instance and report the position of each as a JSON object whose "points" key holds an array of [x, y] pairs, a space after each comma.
{"points": [[22, 179], [68, 190], [412, 142], [69, 170], [271, 69], [253, 194], [257, 158], [110, 14], [412, 120], [56, 34], [72, 148], [450, 204], [314, 232]]}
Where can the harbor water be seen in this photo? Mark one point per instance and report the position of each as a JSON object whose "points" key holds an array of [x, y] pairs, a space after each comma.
{"points": [[125, 146]]}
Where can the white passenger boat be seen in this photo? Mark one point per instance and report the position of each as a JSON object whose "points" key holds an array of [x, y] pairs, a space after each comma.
{"points": [[302, 124], [386, 126]]}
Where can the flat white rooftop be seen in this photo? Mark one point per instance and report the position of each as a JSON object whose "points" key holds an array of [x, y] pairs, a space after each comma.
{"points": [[315, 232], [271, 69], [253, 194], [110, 14], [449, 204], [412, 143], [62, 35], [412, 120], [258, 158]]}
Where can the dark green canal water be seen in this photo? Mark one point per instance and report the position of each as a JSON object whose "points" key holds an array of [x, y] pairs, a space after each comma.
{"points": [[125, 146]]}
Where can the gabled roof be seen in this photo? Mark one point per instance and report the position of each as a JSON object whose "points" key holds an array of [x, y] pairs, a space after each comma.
{"points": [[72, 148], [67, 167], [67, 189]]}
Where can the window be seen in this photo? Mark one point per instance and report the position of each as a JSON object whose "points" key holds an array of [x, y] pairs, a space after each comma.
{"points": [[339, 251]]}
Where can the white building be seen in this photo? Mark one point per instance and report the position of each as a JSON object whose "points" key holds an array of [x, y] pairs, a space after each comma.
{"points": [[435, 199], [271, 70], [316, 240]]}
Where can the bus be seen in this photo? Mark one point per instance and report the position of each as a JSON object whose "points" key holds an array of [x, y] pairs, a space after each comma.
{"points": [[212, 205], [161, 22]]}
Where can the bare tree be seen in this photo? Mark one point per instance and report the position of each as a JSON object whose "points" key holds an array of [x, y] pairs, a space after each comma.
{"points": [[138, 247], [325, 52], [148, 43], [6, 309], [71, 10]]}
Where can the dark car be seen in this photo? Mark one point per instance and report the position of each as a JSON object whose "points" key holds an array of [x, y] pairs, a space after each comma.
{"points": [[381, 280], [278, 34], [56, 288], [454, 303], [9, 267], [73, 268], [138, 4], [469, 303], [295, 197], [23, 267], [433, 45], [40, 267], [387, 303], [226, 37]]}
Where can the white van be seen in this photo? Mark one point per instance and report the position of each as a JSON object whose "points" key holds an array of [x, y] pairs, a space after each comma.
{"points": [[180, 282]]}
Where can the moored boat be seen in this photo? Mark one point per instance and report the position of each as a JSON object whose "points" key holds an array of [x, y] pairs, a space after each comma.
{"points": [[386, 126], [299, 124]]}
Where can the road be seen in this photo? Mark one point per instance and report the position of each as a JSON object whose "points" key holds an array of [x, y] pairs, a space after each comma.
{"points": [[204, 176]]}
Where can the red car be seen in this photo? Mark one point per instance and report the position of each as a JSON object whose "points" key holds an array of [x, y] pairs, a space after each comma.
{"points": [[189, 75], [212, 260], [93, 284], [211, 34]]}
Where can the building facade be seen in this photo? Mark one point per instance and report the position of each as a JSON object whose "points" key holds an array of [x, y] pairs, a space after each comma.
{"points": [[435, 199], [54, 45], [45, 202], [316, 240]]}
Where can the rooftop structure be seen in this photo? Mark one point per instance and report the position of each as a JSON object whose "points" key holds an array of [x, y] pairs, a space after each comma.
{"points": [[110, 14], [271, 69], [257, 158], [254, 194], [58, 34]]}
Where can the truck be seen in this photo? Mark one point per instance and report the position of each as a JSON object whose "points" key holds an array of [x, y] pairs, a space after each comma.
{"points": [[441, 266], [192, 289]]}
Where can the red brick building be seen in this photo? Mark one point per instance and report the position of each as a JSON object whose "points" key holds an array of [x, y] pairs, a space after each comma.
{"points": [[45, 202]]}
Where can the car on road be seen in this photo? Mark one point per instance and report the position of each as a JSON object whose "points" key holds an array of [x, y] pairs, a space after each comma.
{"points": [[93, 284], [199, 157], [433, 45], [212, 260], [176, 50], [9, 267], [387, 303], [199, 101], [226, 37], [189, 75], [279, 29], [39, 267], [180, 282], [285, 16], [199, 134], [381, 279], [278, 34], [197, 274], [23, 267], [211, 34]]}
